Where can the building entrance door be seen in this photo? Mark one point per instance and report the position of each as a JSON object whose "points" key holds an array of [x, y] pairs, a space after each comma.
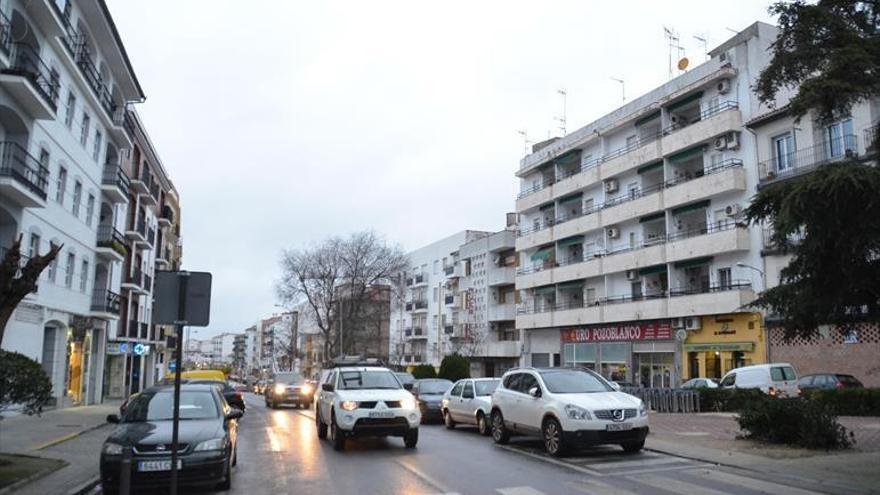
{"points": [[656, 369]]}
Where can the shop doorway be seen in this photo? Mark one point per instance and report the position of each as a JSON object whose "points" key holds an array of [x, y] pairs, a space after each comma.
{"points": [[655, 369], [79, 357]]}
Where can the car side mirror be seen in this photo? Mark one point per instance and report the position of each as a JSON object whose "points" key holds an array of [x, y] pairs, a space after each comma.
{"points": [[234, 413], [112, 418], [327, 387], [615, 386], [408, 386], [535, 392]]}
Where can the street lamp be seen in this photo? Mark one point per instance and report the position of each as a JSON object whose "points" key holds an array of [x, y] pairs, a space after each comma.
{"points": [[740, 264]]}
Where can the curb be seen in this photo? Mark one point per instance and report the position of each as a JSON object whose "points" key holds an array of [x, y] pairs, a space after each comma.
{"points": [[34, 477], [86, 487], [67, 437]]}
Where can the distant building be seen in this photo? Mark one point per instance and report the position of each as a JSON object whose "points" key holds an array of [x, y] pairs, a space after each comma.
{"points": [[364, 331], [222, 346]]}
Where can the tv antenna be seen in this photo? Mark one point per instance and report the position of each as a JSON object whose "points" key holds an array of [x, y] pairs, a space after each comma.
{"points": [[703, 41], [562, 120], [674, 44], [622, 88], [526, 142]]}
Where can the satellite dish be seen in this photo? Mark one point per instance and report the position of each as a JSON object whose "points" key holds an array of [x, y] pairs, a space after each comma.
{"points": [[683, 63]]}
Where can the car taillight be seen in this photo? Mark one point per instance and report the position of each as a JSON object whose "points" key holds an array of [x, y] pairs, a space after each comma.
{"points": [[772, 392]]}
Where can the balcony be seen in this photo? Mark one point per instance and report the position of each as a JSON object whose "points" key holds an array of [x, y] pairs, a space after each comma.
{"points": [[82, 59], [105, 305], [420, 305], [408, 306], [23, 179], [416, 280], [502, 349], [727, 176], [46, 15], [151, 196], [115, 184], [140, 183], [166, 218], [502, 312], [148, 284], [138, 232], [503, 275], [162, 258], [123, 125], [134, 281], [415, 333], [450, 300], [131, 330], [716, 239], [151, 236], [111, 244], [30, 81], [806, 160]]}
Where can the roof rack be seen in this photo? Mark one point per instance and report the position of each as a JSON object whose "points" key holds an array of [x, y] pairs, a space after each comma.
{"points": [[353, 360]]}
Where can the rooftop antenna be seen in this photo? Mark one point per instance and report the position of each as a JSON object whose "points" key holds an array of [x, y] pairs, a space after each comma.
{"points": [[703, 41], [526, 142], [734, 31], [562, 120], [622, 87], [673, 43]]}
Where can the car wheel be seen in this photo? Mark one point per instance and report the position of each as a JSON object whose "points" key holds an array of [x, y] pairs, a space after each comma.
{"points": [[447, 420], [320, 425], [483, 424], [226, 484], [499, 433], [552, 433], [337, 436], [411, 438], [633, 447]]}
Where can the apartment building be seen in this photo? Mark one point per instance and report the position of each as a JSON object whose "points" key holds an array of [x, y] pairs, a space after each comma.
{"points": [[65, 85], [634, 256], [363, 330], [788, 149], [272, 337], [223, 348]]}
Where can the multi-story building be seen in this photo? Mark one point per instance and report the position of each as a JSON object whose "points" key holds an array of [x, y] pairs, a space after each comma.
{"points": [[222, 348], [65, 85], [634, 256], [275, 334], [364, 330], [239, 353], [198, 352], [422, 324]]}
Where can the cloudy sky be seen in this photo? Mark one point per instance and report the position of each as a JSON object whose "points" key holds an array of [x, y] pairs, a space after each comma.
{"points": [[285, 122]]}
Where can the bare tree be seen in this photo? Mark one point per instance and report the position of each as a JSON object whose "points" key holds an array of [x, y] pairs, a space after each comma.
{"points": [[335, 278], [17, 282]]}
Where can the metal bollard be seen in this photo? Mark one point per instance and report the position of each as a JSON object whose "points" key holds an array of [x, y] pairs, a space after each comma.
{"points": [[125, 472]]}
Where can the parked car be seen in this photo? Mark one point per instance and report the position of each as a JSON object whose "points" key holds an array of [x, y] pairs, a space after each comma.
{"points": [[406, 379], [207, 439], [828, 381], [429, 394], [234, 397], [775, 380], [567, 407], [700, 383], [289, 388], [470, 402]]}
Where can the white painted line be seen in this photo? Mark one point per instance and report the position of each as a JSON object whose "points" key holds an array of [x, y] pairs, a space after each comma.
{"points": [[550, 460], [658, 469], [750, 483], [639, 463], [678, 486], [596, 487], [274, 444], [436, 485], [519, 490]]}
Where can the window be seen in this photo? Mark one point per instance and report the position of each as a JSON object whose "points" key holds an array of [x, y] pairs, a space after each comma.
{"points": [[724, 278], [468, 392], [456, 390], [729, 380], [68, 273], [540, 360], [96, 152], [783, 152], [84, 275], [44, 158], [435, 294], [71, 109], [839, 137], [61, 184], [591, 295], [84, 129], [77, 198], [90, 209], [436, 267], [35, 245], [53, 269], [527, 382]]}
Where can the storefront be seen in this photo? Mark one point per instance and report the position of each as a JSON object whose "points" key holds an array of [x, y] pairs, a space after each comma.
{"points": [[724, 342]]}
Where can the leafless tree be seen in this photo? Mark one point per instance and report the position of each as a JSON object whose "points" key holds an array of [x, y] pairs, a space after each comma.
{"points": [[335, 279], [17, 282]]}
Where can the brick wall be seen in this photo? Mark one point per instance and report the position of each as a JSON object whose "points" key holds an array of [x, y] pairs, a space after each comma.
{"points": [[828, 352]]}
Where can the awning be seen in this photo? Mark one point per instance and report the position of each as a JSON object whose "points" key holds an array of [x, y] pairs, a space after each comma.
{"points": [[647, 118], [693, 262], [571, 197], [547, 289], [651, 218], [650, 270], [687, 154], [577, 284], [578, 239], [720, 347], [543, 254], [546, 206], [691, 207], [649, 167], [568, 156], [684, 101]]}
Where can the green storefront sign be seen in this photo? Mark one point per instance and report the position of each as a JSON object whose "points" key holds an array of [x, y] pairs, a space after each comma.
{"points": [[720, 347]]}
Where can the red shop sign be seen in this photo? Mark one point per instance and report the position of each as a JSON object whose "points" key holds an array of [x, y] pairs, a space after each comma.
{"points": [[645, 330]]}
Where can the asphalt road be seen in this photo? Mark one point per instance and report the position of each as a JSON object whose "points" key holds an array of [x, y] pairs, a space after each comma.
{"points": [[279, 452]]}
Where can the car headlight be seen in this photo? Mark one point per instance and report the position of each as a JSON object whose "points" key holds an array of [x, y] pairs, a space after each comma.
{"points": [[280, 388], [306, 389], [213, 444], [348, 405], [575, 412], [408, 403], [112, 449], [643, 409]]}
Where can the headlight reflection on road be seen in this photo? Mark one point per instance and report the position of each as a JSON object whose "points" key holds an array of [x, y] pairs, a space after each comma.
{"points": [[280, 419]]}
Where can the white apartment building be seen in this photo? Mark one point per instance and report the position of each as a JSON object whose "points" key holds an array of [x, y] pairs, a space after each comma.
{"points": [[222, 347], [424, 328], [634, 257], [65, 82]]}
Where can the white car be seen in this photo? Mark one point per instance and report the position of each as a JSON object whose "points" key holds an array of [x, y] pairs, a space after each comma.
{"points": [[700, 383], [365, 401], [775, 380], [567, 407], [469, 401]]}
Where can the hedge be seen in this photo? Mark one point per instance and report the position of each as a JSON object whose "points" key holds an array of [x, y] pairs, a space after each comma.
{"points": [[424, 371], [848, 402], [455, 367], [796, 422]]}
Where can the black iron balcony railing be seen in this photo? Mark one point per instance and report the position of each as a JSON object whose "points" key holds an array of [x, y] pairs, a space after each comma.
{"points": [[151, 235], [141, 227], [705, 114], [114, 176], [26, 62], [77, 48], [17, 163], [407, 332], [449, 270], [421, 304], [5, 34], [807, 159], [109, 237], [449, 329], [123, 117], [148, 282], [408, 306], [168, 213], [449, 299], [105, 301], [136, 277]]}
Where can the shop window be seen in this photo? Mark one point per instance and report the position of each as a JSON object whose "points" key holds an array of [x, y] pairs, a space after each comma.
{"points": [[613, 360]]}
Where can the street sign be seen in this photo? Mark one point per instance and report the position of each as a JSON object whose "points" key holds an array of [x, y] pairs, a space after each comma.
{"points": [[191, 290]]}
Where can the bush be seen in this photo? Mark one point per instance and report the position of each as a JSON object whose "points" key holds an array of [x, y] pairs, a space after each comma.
{"points": [[23, 382], [796, 422], [729, 400], [424, 371], [848, 402], [455, 367]]}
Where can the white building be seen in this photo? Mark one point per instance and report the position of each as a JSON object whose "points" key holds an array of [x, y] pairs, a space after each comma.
{"points": [[222, 347], [65, 80], [631, 237]]}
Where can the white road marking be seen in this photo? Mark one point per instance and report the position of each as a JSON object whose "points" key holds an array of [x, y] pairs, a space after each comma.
{"points": [[674, 485], [596, 487], [750, 483], [519, 490], [550, 460], [436, 485], [274, 444]]}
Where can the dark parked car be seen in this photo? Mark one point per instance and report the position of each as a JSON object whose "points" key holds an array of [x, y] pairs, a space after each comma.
{"points": [[207, 439], [429, 395], [828, 381], [406, 379], [234, 397], [289, 388]]}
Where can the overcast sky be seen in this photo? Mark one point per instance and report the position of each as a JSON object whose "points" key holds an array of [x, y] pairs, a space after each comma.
{"points": [[285, 122]]}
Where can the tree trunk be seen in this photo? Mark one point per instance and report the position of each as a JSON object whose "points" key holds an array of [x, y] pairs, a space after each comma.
{"points": [[17, 282]]}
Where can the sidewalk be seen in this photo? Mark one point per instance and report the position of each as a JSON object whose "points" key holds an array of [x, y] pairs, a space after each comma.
{"points": [[73, 435], [711, 437]]}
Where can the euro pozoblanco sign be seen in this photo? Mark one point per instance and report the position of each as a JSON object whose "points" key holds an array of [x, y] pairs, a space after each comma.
{"points": [[644, 330]]}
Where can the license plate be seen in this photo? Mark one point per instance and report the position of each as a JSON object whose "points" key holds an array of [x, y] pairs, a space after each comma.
{"points": [[619, 427], [381, 414], [150, 466]]}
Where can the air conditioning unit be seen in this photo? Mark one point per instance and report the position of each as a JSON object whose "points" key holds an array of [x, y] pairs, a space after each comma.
{"points": [[723, 86], [632, 275], [726, 58], [692, 323], [613, 232], [678, 120], [732, 210], [677, 323], [733, 141], [611, 185], [720, 143]]}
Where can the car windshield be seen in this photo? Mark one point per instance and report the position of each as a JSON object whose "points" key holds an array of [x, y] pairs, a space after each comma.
{"points": [[573, 382], [486, 387], [290, 379], [405, 377], [353, 380], [194, 404], [434, 386]]}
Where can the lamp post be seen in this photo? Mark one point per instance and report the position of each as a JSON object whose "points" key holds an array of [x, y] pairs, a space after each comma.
{"points": [[740, 264]]}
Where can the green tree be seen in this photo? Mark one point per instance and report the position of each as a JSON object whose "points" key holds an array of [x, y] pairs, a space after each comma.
{"points": [[455, 367], [23, 382], [830, 51], [424, 371]]}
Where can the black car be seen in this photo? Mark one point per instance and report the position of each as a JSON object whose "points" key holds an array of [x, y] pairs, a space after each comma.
{"points": [[429, 395], [289, 388], [207, 439], [234, 397], [406, 379], [828, 381]]}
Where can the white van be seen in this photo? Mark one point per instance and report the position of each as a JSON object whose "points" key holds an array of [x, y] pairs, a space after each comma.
{"points": [[776, 379]]}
